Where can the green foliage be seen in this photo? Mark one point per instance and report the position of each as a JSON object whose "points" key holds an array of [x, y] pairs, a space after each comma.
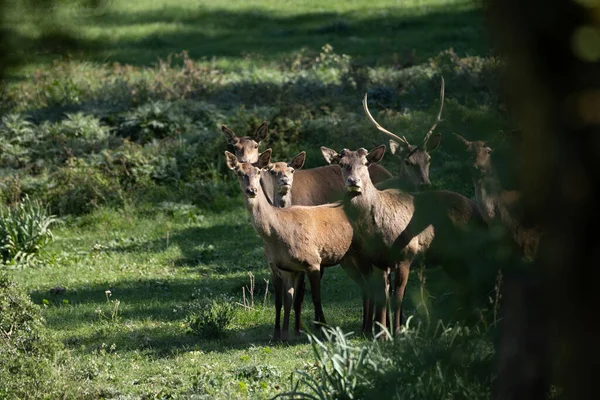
{"points": [[446, 363], [78, 188], [341, 368], [26, 348], [449, 362], [24, 230], [17, 136], [209, 318], [155, 120]]}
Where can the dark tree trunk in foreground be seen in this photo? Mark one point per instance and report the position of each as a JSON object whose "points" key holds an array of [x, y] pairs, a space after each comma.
{"points": [[553, 50]]}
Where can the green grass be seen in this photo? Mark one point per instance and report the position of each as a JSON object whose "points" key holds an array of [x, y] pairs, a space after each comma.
{"points": [[245, 34], [145, 349], [247, 66]]}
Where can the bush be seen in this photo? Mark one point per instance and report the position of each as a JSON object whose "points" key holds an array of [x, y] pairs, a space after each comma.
{"points": [[17, 136], [24, 230], [26, 349], [79, 187], [341, 368], [209, 318], [448, 362]]}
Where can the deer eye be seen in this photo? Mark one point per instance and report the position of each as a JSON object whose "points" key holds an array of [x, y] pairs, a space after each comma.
{"points": [[272, 171], [256, 145], [292, 170], [488, 150]]}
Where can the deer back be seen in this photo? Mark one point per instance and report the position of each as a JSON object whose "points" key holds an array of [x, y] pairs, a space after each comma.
{"points": [[324, 185]]}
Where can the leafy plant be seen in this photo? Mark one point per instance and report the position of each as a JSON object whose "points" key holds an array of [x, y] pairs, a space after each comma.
{"points": [[26, 349], [341, 368], [24, 230], [209, 318], [155, 120], [17, 135]]}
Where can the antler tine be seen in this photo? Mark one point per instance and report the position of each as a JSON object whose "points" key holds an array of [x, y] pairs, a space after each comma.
{"points": [[439, 116], [382, 129]]}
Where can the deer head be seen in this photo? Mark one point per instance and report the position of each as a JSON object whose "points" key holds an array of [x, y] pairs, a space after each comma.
{"points": [[415, 159], [246, 147], [248, 174], [283, 173], [479, 154], [354, 165]]}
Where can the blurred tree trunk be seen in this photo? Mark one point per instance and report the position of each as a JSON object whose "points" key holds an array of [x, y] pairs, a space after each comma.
{"points": [[553, 51]]}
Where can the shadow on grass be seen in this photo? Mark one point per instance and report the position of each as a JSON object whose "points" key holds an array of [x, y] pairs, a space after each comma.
{"points": [[379, 36]]}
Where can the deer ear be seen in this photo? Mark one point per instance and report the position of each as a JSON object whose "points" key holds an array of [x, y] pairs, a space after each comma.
{"points": [[394, 146], [331, 156], [261, 132], [433, 142], [231, 136], [462, 140], [298, 161], [264, 159], [376, 154], [231, 160]]}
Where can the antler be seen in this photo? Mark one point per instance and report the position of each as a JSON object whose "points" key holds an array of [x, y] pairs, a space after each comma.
{"points": [[382, 129], [438, 119]]}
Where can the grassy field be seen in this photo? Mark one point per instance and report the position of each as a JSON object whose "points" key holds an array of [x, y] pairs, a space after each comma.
{"points": [[127, 151]]}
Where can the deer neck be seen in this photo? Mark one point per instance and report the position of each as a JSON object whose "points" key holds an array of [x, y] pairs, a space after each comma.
{"points": [[282, 200], [275, 198], [262, 213], [266, 185], [487, 192], [359, 203], [404, 180]]}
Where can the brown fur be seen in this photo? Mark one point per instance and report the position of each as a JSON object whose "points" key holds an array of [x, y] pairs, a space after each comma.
{"points": [[392, 227], [245, 148], [499, 206], [296, 240]]}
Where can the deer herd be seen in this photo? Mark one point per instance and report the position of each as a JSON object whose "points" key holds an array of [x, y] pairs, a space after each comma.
{"points": [[354, 213]]}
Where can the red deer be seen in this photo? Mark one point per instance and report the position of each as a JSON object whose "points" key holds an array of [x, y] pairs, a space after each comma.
{"points": [[313, 186], [392, 227], [500, 208], [297, 239], [414, 159]]}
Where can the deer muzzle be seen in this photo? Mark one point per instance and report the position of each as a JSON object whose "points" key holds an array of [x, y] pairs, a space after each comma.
{"points": [[251, 191], [353, 184]]}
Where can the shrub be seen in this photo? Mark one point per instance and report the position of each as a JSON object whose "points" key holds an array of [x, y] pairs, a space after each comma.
{"points": [[341, 368], [447, 362], [26, 349], [24, 230], [155, 120], [78, 188], [209, 318], [17, 136]]}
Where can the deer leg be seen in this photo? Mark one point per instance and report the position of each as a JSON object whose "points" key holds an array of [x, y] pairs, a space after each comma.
{"points": [[288, 297], [361, 272], [278, 285], [401, 278], [298, 299], [381, 296], [314, 276]]}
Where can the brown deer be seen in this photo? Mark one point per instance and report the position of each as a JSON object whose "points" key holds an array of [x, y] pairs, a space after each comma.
{"points": [[312, 187], [500, 208], [297, 239], [320, 185], [245, 148], [414, 159], [392, 227], [281, 177]]}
